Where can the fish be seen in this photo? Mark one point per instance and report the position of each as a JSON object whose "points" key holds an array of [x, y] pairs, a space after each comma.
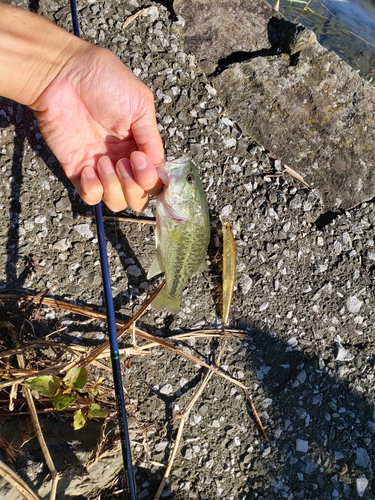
{"points": [[182, 230]]}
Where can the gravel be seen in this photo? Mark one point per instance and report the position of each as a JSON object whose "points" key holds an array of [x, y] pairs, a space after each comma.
{"points": [[304, 296]]}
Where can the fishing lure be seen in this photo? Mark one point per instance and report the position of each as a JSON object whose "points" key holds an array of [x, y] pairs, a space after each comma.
{"points": [[229, 268]]}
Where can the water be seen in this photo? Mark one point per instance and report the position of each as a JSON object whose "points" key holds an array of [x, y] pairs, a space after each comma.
{"points": [[346, 27]]}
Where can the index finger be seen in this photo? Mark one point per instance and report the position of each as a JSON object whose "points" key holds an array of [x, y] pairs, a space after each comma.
{"points": [[146, 133], [145, 173]]}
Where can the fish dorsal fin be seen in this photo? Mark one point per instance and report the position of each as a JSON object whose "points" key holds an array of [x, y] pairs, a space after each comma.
{"points": [[154, 268]]}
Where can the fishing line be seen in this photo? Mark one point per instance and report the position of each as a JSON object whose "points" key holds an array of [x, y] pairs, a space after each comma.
{"points": [[130, 486]]}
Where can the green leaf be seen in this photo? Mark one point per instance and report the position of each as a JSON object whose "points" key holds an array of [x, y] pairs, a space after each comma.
{"points": [[96, 412], [61, 400], [46, 385], [76, 378], [79, 420]]}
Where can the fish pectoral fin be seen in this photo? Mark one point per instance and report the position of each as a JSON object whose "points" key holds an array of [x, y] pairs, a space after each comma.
{"points": [[154, 269], [202, 267]]}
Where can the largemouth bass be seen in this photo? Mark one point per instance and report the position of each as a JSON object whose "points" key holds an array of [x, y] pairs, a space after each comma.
{"points": [[182, 230]]}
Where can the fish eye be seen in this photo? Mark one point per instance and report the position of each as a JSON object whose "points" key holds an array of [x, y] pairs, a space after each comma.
{"points": [[190, 178]]}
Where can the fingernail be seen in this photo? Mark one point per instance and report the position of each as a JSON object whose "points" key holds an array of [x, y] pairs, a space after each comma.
{"points": [[89, 173], [105, 165], [123, 168], [138, 160]]}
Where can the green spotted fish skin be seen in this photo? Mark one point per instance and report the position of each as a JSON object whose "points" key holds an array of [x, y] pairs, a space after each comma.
{"points": [[182, 230]]}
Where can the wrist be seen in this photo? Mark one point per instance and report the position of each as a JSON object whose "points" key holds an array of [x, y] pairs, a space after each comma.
{"points": [[32, 53]]}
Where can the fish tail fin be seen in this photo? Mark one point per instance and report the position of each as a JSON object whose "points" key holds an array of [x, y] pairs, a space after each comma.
{"points": [[163, 300]]}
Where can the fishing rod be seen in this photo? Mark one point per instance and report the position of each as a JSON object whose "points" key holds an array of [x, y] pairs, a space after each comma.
{"points": [[130, 492]]}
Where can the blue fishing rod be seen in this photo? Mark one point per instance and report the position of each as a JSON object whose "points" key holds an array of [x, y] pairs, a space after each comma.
{"points": [[130, 492]]}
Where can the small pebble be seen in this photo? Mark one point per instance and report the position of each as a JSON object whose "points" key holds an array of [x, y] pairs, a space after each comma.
{"points": [[362, 457], [63, 204], [246, 283], [84, 230], [353, 304], [302, 445], [40, 219], [361, 485], [44, 185], [225, 211], [161, 445], [310, 467], [337, 247], [301, 377], [342, 353], [229, 142], [266, 402], [133, 270], [166, 389], [62, 245]]}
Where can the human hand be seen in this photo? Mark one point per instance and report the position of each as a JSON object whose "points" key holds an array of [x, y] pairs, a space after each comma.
{"points": [[99, 121]]}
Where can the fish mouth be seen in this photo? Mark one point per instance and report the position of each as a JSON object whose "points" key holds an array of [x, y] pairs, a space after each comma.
{"points": [[171, 168]]}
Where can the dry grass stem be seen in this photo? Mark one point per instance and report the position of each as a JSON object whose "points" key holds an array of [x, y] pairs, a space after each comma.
{"points": [[296, 175], [121, 218], [12, 396], [105, 345], [18, 484], [55, 480], [35, 421], [8, 449], [105, 446], [131, 18], [256, 415]]}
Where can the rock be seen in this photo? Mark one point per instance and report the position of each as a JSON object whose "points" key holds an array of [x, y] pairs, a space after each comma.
{"points": [[353, 304], [166, 389], [134, 270], [310, 467], [343, 354], [84, 230], [63, 204], [62, 245], [302, 445], [361, 484], [284, 90], [362, 457], [216, 33]]}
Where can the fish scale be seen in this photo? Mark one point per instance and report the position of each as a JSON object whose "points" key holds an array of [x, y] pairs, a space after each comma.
{"points": [[182, 230], [184, 263]]}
